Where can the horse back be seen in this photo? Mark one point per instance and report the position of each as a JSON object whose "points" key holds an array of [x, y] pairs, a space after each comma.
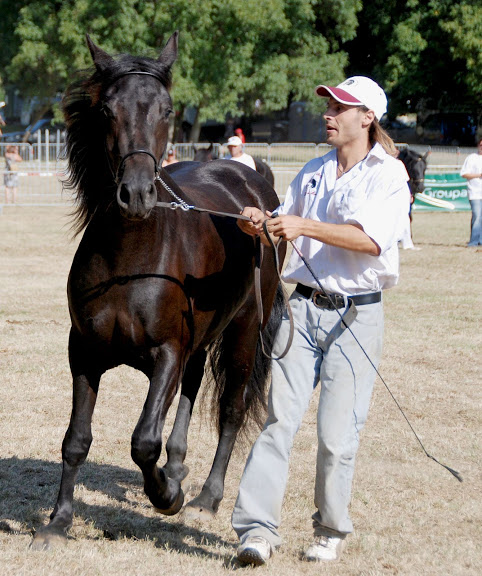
{"points": [[224, 185]]}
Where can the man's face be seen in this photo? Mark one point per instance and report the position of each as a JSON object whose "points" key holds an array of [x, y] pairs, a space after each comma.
{"points": [[235, 151], [345, 124], [479, 147]]}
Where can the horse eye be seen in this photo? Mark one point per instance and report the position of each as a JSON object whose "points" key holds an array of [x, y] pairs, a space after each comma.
{"points": [[106, 111], [168, 113]]}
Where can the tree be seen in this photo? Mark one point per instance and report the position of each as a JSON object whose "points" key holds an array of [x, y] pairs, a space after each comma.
{"points": [[427, 54], [231, 53]]}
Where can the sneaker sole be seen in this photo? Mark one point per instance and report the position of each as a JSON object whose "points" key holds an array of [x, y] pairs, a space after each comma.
{"points": [[250, 556]]}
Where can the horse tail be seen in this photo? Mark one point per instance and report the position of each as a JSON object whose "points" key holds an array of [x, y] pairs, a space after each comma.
{"points": [[255, 394]]}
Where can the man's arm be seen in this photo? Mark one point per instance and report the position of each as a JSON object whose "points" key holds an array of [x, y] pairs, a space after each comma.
{"points": [[471, 176], [290, 227]]}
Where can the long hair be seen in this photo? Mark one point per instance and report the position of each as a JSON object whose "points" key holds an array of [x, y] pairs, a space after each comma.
{"points": [[377, 134]]}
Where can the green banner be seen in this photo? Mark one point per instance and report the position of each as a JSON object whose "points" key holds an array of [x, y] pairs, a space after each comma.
{"points": [[443, 192]]}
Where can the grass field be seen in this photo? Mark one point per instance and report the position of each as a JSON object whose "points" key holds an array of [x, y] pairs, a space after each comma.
{"points": [[411, 516]]}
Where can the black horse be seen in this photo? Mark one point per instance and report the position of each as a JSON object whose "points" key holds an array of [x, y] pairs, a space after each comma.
{"points": [[205, 154], [157, 289], [416, 164], [208, 154]]}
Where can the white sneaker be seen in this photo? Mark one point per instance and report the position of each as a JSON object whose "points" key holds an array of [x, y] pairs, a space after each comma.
{"points": [[325, 549], [255, 550]]}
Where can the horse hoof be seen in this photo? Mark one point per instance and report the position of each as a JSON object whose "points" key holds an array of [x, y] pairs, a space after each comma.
{"points": [[174, 509], [45, 540], [193, 513]]}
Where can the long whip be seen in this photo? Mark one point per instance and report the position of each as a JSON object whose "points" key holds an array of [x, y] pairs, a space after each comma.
{"points": [[305, 262]]}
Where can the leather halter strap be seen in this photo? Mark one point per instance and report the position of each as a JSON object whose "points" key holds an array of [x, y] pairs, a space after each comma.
{"points": [[120, 169]]}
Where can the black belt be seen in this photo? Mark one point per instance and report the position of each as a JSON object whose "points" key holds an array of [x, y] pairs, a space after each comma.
{"points": [[336, 300]]}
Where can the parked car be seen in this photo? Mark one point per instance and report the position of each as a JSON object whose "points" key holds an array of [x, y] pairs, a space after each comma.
{"points": [[454, 129], [30, 134]]}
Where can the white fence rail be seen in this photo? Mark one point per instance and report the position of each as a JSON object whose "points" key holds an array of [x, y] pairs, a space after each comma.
{"points": [[42, 170]]}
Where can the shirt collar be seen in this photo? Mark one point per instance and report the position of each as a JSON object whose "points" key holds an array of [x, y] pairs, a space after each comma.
{"points": [[377, 152]]}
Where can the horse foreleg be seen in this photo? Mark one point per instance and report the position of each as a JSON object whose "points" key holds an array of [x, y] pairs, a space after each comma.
{"points": [[176, 446], [164, 492], [75, 448]]}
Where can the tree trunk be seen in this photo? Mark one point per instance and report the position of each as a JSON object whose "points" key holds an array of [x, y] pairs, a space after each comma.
{"points": [[196, 128]]}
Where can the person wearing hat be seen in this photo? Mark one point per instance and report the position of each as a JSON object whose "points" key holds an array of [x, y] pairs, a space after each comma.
{"points": [[345, 213], [235, 147]]}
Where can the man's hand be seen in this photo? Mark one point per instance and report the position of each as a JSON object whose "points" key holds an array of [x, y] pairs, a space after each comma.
{"points": [[255, 227], [287, 226]]}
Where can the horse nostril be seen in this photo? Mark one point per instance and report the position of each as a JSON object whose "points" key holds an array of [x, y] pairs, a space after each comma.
{"points": [[124, 195]]}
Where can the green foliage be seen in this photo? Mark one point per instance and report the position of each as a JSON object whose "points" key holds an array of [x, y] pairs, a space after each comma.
{"points": [[427, 54], [231, 52]]}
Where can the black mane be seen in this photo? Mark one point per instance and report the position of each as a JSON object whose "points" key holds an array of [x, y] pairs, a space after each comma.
{"points": [[89, 174]]}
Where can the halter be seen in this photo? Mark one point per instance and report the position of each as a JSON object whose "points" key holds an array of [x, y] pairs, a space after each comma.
{"points": [[120, 169]]}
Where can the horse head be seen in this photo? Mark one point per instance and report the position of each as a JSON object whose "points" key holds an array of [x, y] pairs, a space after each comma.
{"points": [[204, 154], [117, 128], [416, 164], [136, 106]]}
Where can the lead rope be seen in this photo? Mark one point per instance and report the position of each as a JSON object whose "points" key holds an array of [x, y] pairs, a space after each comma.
{"points": [[451, 470], [180, 203]]}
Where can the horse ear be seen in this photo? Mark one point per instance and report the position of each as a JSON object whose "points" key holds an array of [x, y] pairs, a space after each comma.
{"points": [[169, 54], [101, 59], [427, 153]]}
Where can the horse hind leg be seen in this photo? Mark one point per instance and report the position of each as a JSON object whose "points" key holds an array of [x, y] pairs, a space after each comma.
{"points": [[75, 448], [176, 446], [238, 357]]}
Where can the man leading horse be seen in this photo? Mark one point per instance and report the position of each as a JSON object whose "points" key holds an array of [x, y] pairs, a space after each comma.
{"points": [[345, 212]]}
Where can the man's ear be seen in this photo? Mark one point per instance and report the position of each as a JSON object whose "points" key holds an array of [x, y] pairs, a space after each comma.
{"points": [[368, 118]]}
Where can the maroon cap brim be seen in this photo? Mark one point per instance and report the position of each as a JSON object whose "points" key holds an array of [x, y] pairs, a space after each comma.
{"points": [[338, 94]]}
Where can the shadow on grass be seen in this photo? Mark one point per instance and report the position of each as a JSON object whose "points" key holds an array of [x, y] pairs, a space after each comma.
{"points": [[28, 487]]}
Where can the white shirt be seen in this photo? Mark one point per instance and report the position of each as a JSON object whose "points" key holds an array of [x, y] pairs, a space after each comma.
{"points": [[375, 194], [244, 159], [473, 165]]}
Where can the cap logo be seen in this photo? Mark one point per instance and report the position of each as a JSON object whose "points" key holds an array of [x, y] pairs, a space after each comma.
{"points": [[349, 82]]}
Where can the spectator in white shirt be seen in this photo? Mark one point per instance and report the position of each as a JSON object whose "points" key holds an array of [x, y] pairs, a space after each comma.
{"points": [[472, 171], [235, 147]]}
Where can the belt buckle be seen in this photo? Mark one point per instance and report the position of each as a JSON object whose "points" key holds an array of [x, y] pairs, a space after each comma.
{"points": [[320, 300]]}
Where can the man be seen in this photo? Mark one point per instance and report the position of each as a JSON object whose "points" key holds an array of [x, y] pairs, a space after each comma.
{"points": [[235, 147], [472, 171], [345, 212]]}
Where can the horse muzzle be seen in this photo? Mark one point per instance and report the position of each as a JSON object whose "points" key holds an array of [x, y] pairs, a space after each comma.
{"points": [[136, 199]]}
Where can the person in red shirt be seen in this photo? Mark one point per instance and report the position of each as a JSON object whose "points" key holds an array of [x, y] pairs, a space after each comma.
{"points": [[238, 132]]}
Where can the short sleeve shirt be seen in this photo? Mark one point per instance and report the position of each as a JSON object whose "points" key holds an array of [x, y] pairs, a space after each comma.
{"points": [[373, 194], [244, 159], [473, 165]]}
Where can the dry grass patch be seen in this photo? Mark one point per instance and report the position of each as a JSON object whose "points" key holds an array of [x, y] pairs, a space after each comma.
{"points": [[411, 516]]}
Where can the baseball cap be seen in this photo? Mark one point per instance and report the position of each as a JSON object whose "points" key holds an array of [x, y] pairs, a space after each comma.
{"points": [[356, 91], [234, 141], [2, 104]]}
